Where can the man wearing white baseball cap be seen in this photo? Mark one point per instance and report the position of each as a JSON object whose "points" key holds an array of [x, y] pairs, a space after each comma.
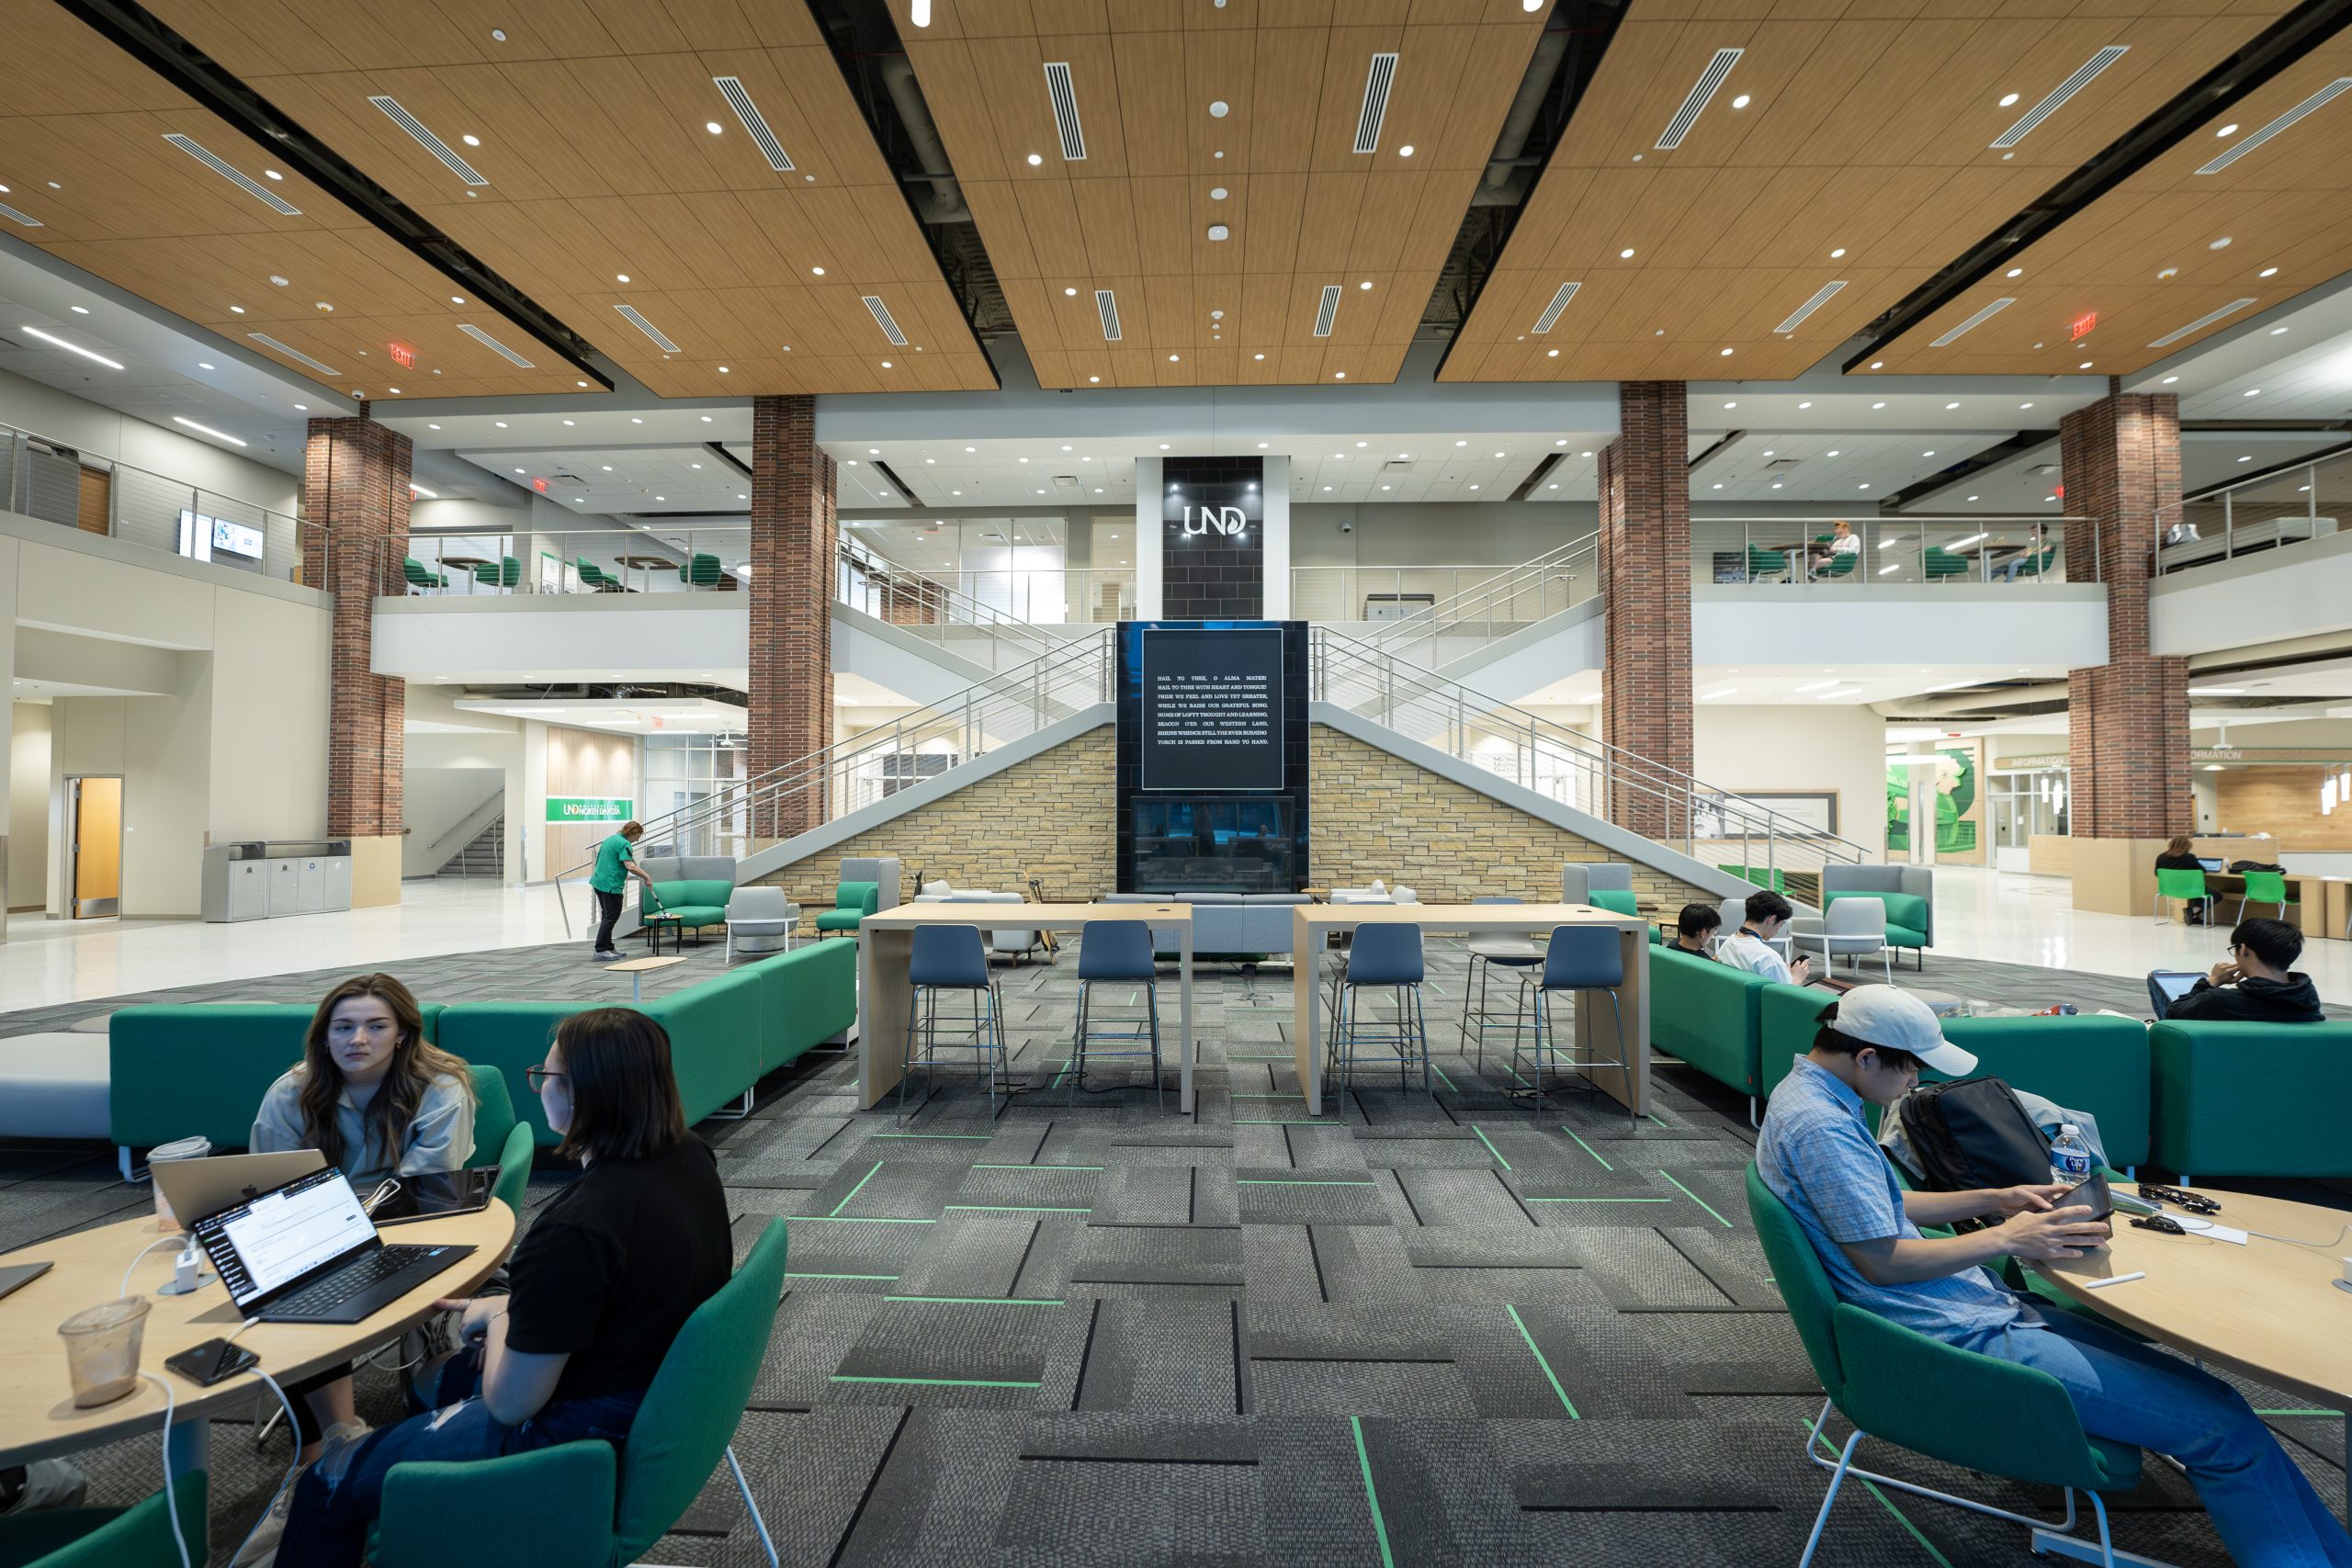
{"points": [[1819, 1158]]}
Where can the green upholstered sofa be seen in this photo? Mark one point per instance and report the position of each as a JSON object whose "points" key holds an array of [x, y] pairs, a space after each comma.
{"points": [[697, 902], [1705, 1013], [2252, 1098], [853, 901], [725, 1033], [2092, 1061]]}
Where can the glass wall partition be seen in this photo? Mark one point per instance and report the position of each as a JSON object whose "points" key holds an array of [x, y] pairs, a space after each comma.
{"points": [[683, 770]]}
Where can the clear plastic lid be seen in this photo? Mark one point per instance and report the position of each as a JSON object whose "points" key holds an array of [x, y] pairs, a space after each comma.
{"points": [[106, 1316]]}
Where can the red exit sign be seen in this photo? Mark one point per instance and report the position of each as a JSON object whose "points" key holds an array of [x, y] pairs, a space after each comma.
{"points": [[539, 484], [407, 355], [2085, 322]]}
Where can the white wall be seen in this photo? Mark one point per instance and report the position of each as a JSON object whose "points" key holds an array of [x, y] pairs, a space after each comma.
{"points": [[268, 690], [1841, 747], [2299, 589], [563, 636], [1851, 626], [460, 739], [436, 803], [1407, 533], [102, 432], [27, 804]]}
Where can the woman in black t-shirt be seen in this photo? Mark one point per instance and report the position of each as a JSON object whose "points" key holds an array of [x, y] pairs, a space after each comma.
{"points": [[609, 1273]]}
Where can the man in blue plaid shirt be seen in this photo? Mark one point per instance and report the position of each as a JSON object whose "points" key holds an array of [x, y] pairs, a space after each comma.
{"points": [[1817, 1155]]}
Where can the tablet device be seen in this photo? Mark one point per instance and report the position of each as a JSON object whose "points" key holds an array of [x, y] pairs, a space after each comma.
{"points": [[2167, 987], [2093, 1194], [464, 1192], [17, 1275]]}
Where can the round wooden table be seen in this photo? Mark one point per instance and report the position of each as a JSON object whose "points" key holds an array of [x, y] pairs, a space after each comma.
{"points": [[645, 564], [37, 1414], [2269, 1309], [472, 566]]}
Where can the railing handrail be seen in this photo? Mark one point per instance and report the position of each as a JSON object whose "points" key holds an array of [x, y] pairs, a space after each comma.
{"points": [[471, 812], [114, 463], [1512, 579], [1395, 673], [977, 613]]}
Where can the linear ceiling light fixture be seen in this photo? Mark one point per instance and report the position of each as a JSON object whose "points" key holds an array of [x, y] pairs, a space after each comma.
{"points": [[290, 352], [1568, 291], [207, 429], [731, 88], [243, 182], [495, 346], [1065, 96], [13, 216], [1821, 296], [69, 347], [630, 314], [2240, 149], [1376, 83], [1106, 305], [2059, 95], [1688, 115], [426, 140], [881, 314], [1978, 319], [2200, 323], [1328, 311]]}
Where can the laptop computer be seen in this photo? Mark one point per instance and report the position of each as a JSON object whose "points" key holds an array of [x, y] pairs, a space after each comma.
{"points": [[306, 1252], [2167, 987], [2214, 865], [195, 1188]]}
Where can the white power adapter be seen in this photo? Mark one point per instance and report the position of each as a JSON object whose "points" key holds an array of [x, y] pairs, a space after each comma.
{"points": [[187, 1272]]}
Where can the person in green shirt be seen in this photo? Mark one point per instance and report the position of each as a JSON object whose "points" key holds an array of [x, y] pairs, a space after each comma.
{"points": [[616, 864]]}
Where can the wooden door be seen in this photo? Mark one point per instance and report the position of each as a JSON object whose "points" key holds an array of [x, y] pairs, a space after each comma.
{"points": [[93, 509], [98, 847]]}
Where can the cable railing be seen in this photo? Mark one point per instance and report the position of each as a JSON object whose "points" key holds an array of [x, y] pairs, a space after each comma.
{"points": [[57, 482], [1903, 551], [745, 815], [1710, 824], [714, 558], [1517, 596], [928, 607], [2267, 511]]}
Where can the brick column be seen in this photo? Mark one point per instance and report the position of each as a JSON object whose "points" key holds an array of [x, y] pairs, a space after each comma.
{"points": [[1646, 589], [356, 502], [793, 536], [2128, 720]]}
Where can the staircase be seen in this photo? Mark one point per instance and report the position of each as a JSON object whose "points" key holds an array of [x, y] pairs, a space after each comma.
{"points": [[483, 855], [936, 610], [1510, 602]]}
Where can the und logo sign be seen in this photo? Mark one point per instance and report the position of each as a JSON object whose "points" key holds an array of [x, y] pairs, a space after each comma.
{"points": [[1229, 521]]}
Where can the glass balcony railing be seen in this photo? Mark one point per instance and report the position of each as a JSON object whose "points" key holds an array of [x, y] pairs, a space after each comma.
{"points": [[2269, 511], [1878, 551], [601, 560]]}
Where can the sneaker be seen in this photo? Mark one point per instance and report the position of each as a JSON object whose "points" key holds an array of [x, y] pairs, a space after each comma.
{"points": [[608, 956], [44, 1483], [259, 1549]]}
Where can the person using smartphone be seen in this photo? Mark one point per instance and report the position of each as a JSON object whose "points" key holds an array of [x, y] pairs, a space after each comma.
{"points": [[1819, 1158], [1750, 948]]}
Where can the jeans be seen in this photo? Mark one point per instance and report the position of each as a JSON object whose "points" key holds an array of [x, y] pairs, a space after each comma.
{"points": [[2266, 1513], [327, 1526], [609, 905]]}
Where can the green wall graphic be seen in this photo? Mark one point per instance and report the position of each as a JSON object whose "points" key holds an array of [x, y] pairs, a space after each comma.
{"points": [[1955, 795]]}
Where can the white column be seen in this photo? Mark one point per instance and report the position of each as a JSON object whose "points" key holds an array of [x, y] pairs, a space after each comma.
{"points": [[1148, 599], [8, 553], [1273, 487]]}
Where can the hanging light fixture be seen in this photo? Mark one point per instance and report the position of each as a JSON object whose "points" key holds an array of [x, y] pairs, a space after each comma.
{"points": [[2327, 797]]}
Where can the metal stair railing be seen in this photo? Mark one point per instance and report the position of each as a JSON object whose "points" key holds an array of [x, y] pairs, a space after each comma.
{"points": [[892, 591], [1716, 826], [744, 815], [1520, 595]]}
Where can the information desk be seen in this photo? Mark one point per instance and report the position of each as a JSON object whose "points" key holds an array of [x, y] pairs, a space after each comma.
{"points": [[37, 1414], [1596, 1029], [885, 942], [2268, 1309]]}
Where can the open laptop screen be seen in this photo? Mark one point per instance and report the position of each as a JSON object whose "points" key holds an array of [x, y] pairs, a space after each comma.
{"points": [[268, 1241], [2214, 865]]}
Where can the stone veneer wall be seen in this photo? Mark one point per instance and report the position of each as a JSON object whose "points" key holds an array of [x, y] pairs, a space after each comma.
{"points": [[1374, 815]]}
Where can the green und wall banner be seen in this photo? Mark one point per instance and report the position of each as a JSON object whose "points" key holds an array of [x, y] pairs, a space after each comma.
{"points": [[589, 809]]}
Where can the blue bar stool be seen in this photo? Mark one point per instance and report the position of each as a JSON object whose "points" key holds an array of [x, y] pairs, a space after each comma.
{"points": [[1510, 952], [1383, 958], [1580, 958], [952, 958], [1118, 951]]}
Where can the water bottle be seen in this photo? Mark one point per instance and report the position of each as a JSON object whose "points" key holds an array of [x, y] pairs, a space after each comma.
{"points": [[2070, 1158]]}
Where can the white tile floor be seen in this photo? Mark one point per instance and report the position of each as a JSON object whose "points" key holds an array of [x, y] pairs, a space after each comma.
{"points": [[1979, 914]]}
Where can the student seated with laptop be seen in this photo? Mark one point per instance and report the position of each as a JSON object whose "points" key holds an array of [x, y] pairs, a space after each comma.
{"points": [[609, 1272], [376, 1099], [2256, 984], [1817, 1155]]}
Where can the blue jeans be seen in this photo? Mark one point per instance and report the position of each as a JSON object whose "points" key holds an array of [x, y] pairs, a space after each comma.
{"points": [[327, 1526], [2266, 1513]]}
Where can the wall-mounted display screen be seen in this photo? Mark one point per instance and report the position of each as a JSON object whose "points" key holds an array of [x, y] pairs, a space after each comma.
{"points": [[1211, 708]]}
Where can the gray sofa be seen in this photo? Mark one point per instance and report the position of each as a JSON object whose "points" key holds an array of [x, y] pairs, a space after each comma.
{"points": [[1911, 925], [1223, 922], [1576, 879]]}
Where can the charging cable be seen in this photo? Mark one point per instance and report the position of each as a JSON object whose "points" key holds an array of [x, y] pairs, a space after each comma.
{"points": [[2291, 1241], [125, 1289], [293, 1433], [171, 1498], [384, 1193]]}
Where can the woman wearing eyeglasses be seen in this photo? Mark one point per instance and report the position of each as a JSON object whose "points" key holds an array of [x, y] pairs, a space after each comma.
{"points": [[379, 1100], [609, 1272]]}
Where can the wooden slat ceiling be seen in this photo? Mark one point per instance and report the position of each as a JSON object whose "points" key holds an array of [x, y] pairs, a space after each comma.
{"points": [[590, 118], [82, 152], [1304, 210], [2281, 206], [1868, 129]]}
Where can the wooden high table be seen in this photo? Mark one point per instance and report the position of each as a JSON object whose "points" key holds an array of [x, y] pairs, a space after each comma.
{"points": [[37, 1414], [2268, 1309], [885, 944], [1595, 1030]]}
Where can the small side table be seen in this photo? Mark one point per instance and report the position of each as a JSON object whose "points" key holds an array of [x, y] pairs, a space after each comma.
{"points": [[654, 926], [637, 969]]}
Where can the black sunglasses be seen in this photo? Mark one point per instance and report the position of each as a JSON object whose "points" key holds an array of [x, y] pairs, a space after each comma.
{"points": [[2195, 1203]]}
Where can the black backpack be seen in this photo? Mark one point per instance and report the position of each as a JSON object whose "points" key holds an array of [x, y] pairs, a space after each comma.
{"points": [[2246, 865], [1972, 1133]]}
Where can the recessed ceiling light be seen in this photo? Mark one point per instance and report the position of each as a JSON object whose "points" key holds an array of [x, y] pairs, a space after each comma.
{"points": [[1726, 354], [1878, 364], [2276, 331], [1878, 405], [1173, 359], [1835, 253], [1403, 151], [2247, 458], [713, 127], [277, 280], [2015, 272], [2008, 99], [632, 418], [1971, 498], [1833, 452], [1951, 405], [1366, 284], [567, 422], [1731, 405], [1034, 160], [816, 272], [1740, 102], [1338, 375], [1163, 446], [1719, 484], [1097, 379], [886, 365], [1862, 487], [1256, 356], [2229, 130], [204, 365], [1929, 453], [2084, 365], [2169, 380], [2251, 392], [470, 140], [234, 309], [2266, 272], [1804, 405], [1625, 254], [2221, 245]]}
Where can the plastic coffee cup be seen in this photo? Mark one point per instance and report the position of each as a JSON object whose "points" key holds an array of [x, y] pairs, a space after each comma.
{"points": [[195, 1148], [102, 1349]]}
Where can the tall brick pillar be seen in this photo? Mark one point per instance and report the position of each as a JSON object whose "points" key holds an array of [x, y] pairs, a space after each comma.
{"points": [[793, 534], [2128, 720], [356, 502], [1645, 591]]}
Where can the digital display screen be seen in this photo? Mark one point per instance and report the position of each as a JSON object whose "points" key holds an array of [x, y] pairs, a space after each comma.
{"points": [[1211, 709]]}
